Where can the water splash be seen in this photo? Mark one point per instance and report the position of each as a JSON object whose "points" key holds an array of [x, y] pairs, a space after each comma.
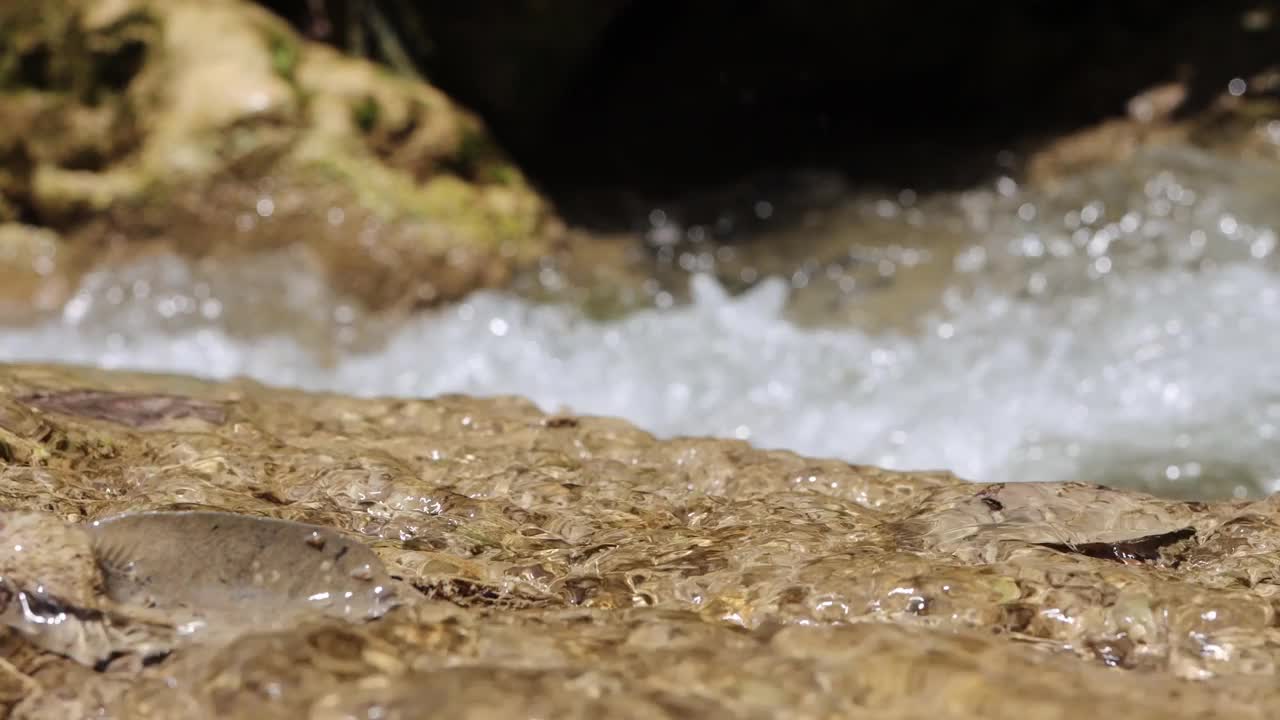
{"points": [[1117, 331]]}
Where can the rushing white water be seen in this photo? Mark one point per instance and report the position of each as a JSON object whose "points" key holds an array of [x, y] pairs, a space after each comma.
{"points": [[1128, 339]]}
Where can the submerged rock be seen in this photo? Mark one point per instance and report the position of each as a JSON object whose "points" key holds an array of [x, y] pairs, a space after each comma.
{"points": [[253, 572], [576, 566], [137, 585], [213, 128], [1242, 122]]}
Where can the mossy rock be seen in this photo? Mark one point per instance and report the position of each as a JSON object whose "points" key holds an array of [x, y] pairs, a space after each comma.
{"points": [[134, 122]]}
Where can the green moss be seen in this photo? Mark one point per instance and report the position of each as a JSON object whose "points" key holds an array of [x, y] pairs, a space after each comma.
{"points": [[480, 160], [444, 199], [506, 175], [365, 114], [475, 150], [284, 55]]}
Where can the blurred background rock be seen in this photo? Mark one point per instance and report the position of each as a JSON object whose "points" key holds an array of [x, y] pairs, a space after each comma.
{"points": [[216, 127]]}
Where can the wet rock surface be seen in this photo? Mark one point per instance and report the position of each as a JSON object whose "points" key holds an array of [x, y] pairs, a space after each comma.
{"points": [[576, 567], [53, 595]]}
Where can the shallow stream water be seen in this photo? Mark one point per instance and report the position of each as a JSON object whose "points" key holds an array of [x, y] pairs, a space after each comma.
{"points": [[1120, 329]]}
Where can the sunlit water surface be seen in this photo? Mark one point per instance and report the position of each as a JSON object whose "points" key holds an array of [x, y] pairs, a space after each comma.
{"points": [[1121, 330]]}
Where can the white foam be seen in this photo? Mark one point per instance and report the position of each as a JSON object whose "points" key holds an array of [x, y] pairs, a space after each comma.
{"points": [[1163, 373]]}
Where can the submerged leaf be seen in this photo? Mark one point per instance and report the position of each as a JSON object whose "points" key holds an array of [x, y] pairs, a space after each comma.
{"points": [[131, 409], [1139, 549]]}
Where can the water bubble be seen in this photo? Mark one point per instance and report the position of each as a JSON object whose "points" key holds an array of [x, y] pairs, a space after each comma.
{"points": [[1262, 246], [1037, 283], [1273, 131], [1227, 225], [972, 259]]}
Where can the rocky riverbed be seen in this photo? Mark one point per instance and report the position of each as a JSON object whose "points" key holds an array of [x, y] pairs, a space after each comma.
{"points": [[575, 566]]}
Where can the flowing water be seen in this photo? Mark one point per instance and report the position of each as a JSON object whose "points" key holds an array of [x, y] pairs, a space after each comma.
{"points": [[1120, 329]]}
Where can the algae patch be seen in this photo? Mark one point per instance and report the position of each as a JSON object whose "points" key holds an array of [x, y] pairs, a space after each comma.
{"points": [[133, 410]]}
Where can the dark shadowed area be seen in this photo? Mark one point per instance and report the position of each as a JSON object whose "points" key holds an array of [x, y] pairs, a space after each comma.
{"points": [[598, 99]]}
